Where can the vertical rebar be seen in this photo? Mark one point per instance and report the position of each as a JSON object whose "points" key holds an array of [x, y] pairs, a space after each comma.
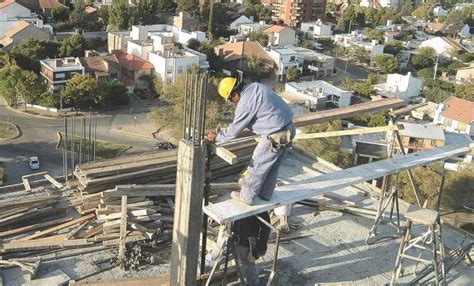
{"points": [[89, 152], [73, 143], [185, 104], [95, 133], [190, 107], [65, 147]]}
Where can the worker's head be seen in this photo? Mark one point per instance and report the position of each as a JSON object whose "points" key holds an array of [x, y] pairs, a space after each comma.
{"points": [[229, 89]]}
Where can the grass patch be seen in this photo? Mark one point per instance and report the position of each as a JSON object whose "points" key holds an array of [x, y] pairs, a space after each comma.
{"points": [[7, 130], [104, 150]]}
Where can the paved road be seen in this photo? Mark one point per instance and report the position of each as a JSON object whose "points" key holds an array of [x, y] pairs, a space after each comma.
{"points": [[354, 71], [39, 138]]}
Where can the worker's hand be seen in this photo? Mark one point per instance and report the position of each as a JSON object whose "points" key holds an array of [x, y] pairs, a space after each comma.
{"points": [[211, 136]]}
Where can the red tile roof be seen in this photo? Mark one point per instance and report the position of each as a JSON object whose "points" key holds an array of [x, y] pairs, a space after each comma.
{"points": [[454, 44], [274, 29], [6, 3], [131, 62], [459, 109], [241, 50]]}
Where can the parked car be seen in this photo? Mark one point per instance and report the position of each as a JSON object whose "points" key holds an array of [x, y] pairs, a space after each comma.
{"points": [[34, 163], [165, 146]]}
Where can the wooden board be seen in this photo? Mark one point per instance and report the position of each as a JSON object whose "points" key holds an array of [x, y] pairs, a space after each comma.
{"points": [[231, 210], [224, 154], [56, 277], [164, 190], [53, 181], [26, 183]]}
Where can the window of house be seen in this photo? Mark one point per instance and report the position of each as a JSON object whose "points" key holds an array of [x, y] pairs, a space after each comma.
{"points": [[59, 75], [292, 58]]}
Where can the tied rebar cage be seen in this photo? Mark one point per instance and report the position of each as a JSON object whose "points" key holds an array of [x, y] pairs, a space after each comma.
{"points": [[195, 96]]}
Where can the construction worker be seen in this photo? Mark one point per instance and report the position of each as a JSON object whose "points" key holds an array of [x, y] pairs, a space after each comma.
{"points": [[262, 111]]}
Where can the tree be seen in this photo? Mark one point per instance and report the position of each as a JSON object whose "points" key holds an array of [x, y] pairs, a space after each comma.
{"points": [[166, 6], [60, 14], [387, 63], [460, 16], [78, 15], [29, 52], [79, 91], [109, 93], [327, 148], [373, 34], [189, 6], [361, 88], [370, 120], [407, 8], [14, 82], [292, 74], [260, 37], [73, 46], [253, 66], [193, 44], [424, 57], [393, 47], [359, 54], [424, 11], [147, 12], [425, 73], [119, 16]]}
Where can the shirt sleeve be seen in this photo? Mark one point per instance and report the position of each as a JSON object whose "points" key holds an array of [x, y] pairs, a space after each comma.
{"points": [[243, 116]]}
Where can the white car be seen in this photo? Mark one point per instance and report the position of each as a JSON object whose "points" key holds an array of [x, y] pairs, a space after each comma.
{"points": [[34, 163]]}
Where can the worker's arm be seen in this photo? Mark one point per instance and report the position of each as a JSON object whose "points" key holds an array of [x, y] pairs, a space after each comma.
{"points": [[243, 116]]}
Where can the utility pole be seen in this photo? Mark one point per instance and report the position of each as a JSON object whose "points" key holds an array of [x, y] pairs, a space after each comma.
{"points": [[189, 183], [211, 18]]}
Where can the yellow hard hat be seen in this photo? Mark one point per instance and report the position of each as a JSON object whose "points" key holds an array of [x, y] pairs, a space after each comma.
{"points": [[225, 87]]}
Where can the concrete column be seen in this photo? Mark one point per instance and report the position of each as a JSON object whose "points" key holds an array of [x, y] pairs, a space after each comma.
{"points": [[188, 213]]}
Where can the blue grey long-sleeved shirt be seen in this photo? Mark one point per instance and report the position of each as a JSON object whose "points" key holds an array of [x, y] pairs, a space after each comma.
{"points": [[260, 110]]}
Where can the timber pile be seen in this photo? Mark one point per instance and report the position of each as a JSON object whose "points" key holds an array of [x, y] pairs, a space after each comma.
{"points": [[158, 167]]}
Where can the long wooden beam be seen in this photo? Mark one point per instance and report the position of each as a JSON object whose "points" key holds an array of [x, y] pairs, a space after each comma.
{"points": [[349, 111], [357, 131], [231, 210]]}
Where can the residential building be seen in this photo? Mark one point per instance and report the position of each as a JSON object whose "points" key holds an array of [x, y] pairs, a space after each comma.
{"points": [[246, 28], [186, 22], [317, 64], [295, 12], [132, 68], [164, 46], [419, 137], [102, 68], [439, 11], [355, 39], [14, 10], [57, 71], [405, 87], [444, 46], [456, 115], [317, 94], [317, 29], [284, 59], [235, 56], [425, 112], [20, 31], [465, 75], [365, 148], [43, 7], [240, 21], [280, 36]]}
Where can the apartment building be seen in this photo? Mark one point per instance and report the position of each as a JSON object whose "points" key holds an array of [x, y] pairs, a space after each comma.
{"points": [[405, 87], [317, 94], [295, 12], [285, 58], [354, 39], [317, 29], [280, 36], [56, 72], [419, 137]]}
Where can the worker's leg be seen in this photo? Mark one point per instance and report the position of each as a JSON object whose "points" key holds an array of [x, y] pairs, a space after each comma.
{"points": [[264, 234], [272, 177], [249, 268], [262, 162]]}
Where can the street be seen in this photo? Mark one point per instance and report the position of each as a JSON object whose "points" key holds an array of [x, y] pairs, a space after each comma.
{"points": [[353, 71], [38, 138]]}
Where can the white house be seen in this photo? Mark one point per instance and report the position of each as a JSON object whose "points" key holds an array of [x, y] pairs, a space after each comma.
{"points": [[318, 93], [439, 11], [405, 87], [355, 39], [465, 32], [279, 36], [239, 21], [317, 29], [246, 28], [381, 3], [444, 46], [14, 10], [456, 115], [319, 63], [284, 59]]}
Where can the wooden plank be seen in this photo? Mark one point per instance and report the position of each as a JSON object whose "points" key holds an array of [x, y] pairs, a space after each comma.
{"points": [[231, 210], [26, 183], [34, 175], [61, 226], [54, 182], [357, 131], [349, 111], [123, 230], [42, 244], [141, 191], [223, 153], [161, 280]]}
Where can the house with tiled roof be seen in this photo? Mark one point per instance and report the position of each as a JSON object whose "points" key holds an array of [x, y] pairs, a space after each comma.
{"points": [[235, 55], [132, 69], [280, 36], [41, 6], [101, 67], [456, 115], [465, 74], [20, 31], [444, 46]]}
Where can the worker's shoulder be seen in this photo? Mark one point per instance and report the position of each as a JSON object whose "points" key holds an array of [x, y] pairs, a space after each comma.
{"points": [[256, 87]]}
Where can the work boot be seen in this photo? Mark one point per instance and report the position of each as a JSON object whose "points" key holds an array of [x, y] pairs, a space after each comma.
{"points": [[253, 251], [236, 196]]}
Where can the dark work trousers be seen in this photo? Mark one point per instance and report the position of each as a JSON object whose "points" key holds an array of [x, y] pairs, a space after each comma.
{"points": [[253, 227]]}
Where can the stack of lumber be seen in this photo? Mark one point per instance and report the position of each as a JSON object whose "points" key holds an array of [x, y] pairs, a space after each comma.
{"points": [[24, 208], [157, 167]]}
